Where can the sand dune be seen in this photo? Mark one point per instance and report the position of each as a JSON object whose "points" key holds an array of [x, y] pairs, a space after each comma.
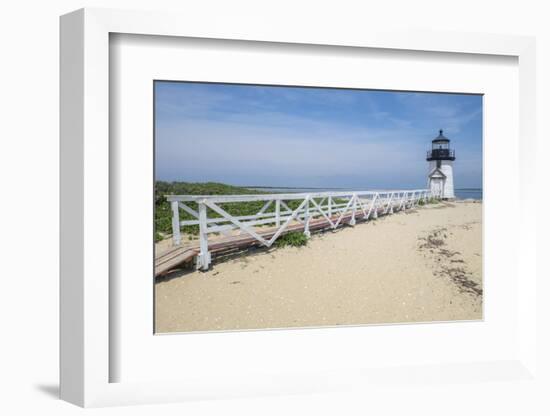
{"points": [[418, 265]]}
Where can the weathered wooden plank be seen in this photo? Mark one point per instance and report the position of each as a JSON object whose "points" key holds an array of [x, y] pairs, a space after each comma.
{"points": [[176, 256], [183, 256]]}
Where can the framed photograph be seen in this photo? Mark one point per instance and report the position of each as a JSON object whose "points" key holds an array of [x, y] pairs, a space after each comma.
{"points": [[277, 213], [289, 250]]}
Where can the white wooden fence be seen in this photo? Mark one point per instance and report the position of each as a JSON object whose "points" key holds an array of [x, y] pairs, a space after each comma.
{"points": [[330, 207]]}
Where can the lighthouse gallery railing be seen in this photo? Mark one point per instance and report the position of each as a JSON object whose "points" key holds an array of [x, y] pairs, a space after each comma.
{"points": [[332, 209]]}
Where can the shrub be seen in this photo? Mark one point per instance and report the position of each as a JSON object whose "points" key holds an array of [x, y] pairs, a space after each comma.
{"points": [[293, 239], [158, 237], [163, 210]]}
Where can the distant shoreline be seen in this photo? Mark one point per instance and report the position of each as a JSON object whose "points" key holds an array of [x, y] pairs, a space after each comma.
{"points": [[461, 193], [220, 188], [326, 187]]}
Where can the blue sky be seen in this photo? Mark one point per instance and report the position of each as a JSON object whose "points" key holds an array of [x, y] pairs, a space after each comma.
{"points": [[311, 137]]}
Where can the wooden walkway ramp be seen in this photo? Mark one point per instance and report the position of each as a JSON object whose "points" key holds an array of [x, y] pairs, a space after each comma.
{"points": [[176, 256], [310, 212]]}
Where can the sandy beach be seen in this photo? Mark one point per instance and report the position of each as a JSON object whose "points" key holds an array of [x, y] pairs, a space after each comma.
{"points": [[419, 265]]}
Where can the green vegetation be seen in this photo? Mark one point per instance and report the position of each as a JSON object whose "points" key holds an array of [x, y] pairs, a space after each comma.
{"points": [[429, 201], [293, 239], [163, 211], [158, 236]]}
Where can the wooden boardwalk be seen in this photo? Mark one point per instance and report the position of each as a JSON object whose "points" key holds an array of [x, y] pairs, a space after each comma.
{"points": [[311, 212], [178, 255]]}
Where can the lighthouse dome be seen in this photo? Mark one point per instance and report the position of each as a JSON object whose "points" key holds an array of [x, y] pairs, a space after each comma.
{"points": [[440, 138]]}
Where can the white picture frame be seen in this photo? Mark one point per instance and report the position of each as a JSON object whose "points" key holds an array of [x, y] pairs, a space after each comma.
{"points": [[86, 333]]}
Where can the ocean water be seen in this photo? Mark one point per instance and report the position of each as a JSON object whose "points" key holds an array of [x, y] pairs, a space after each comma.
{"points": [[469, 193], [460, 193]]}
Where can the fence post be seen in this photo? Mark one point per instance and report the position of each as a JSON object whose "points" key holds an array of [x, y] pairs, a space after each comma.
{"points": [[176, 236], [203, 259], [306, 218], [278, 213], [389, 208], [330, 207], [353, 210]]}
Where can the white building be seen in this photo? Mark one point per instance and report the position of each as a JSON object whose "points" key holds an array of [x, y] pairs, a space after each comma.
{"points": [[440, 174]]}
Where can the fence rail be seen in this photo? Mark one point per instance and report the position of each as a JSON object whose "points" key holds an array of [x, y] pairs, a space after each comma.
{"points": [[322, 209]]}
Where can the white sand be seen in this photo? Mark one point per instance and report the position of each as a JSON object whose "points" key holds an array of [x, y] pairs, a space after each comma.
{"points": [[420, 265]]}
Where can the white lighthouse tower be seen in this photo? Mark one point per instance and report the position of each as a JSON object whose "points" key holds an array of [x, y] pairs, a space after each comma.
{"points": [[440, 175]]}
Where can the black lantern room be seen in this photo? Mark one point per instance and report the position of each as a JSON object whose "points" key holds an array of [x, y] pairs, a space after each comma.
{"points": [[440, 149]]}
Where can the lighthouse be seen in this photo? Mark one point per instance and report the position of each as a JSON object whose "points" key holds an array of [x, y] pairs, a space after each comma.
{"points": [[440, 174]]}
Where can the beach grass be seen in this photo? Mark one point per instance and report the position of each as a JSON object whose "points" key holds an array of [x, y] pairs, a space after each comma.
{"points": [[292, 239]]}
